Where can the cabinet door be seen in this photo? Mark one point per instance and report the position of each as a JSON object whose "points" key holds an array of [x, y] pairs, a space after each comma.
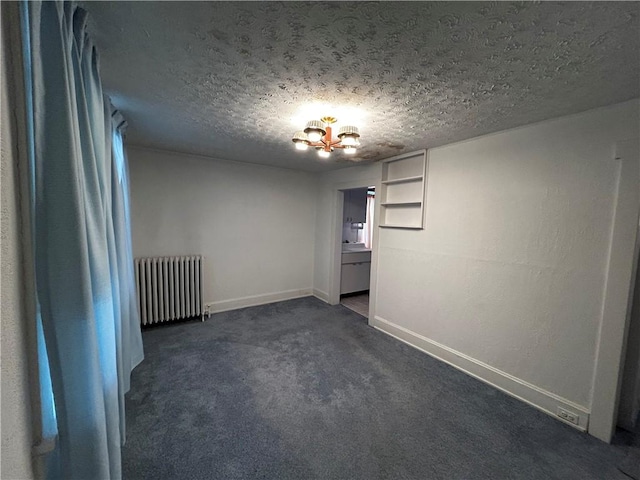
{"points": [[355, 205], [359, 205], [348, 208], [355, 277]]}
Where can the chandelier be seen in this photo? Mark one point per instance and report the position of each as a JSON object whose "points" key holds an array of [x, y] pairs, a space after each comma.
{"points": [[317, 134]]}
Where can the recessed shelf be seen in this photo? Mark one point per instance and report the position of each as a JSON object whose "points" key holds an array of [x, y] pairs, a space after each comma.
{"points": [[415, 178], [402, 191], [401, 204]]}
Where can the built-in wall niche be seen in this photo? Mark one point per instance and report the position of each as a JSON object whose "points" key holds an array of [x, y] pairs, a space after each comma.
{"points": [[402, 194]]}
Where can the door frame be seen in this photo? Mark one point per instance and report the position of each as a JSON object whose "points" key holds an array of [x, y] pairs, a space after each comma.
{"points": [[629, 402], [610, 348], [336, 240]]}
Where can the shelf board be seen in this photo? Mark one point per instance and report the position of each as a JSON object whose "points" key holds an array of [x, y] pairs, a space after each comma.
{"points": [[401, 204], [393, 181], [408, 227]]}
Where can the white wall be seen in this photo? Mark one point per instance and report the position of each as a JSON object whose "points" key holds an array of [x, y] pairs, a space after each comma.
{"points": [[254, 224], [16, 423], [506, 281]]}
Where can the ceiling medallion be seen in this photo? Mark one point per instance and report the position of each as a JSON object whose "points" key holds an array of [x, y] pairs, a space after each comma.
{"points": [[317, 134]]}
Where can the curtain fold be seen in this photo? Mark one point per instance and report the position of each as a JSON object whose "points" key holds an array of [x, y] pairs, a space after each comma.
{"points": [[83, 259], [368, 226]]}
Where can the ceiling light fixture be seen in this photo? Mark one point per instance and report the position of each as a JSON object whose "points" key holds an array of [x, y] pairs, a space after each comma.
{"points": [[318, 134]]}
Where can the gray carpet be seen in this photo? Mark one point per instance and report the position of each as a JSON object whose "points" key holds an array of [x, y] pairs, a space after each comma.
{"points": [[631, 463], [303, 390]]}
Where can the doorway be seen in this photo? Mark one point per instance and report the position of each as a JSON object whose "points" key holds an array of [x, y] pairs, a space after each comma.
{"points": [[356, 243], [629, 401]]}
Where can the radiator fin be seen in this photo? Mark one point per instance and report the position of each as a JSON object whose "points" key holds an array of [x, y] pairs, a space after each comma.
{"points": [[169, 288]]}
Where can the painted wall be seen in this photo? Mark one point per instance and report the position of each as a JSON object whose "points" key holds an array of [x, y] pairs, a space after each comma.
{"points": [[16, 422], [254, 224], [506, 281]]}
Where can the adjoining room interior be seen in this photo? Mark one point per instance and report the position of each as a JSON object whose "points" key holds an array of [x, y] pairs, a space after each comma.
{"points": [[320, 240], [357, 239]]}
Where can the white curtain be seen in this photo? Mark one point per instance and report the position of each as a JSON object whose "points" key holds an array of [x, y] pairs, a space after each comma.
{"points": [[83, 261], [368, 226]]}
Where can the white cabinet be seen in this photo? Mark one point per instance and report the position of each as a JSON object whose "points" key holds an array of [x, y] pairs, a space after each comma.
{"points": [[355, 205], [403, 191], [355, 273], [355, 277], [356, 257]]}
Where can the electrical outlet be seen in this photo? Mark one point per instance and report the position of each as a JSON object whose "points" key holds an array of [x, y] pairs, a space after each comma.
{"points": [[569, 416]]}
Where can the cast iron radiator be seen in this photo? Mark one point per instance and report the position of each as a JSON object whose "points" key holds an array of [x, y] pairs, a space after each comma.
{"points": [[169, 288]]}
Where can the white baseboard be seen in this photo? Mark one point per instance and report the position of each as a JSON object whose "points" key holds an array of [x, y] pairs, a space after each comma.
{"points": [[324, 296], [535, 396], [253, 300]]}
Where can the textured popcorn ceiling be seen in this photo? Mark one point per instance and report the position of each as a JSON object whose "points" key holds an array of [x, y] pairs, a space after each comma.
{"points": [[227, 79]]}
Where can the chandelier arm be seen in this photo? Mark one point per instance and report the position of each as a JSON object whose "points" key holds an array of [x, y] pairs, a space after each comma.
{"points": [[321, 143]]}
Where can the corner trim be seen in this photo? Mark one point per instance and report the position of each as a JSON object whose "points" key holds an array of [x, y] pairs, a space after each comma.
{"points": [[324, 296], [537, 397]]}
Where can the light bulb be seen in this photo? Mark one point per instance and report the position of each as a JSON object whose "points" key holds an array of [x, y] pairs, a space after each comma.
{"points": [[324, 153], [301, 141], [349, 135], [314, 136], [314, 130], [348, 140], [350, 150]]}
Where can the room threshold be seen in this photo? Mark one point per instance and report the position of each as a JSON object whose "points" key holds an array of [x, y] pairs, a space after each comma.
{"points": [[358, 302]]}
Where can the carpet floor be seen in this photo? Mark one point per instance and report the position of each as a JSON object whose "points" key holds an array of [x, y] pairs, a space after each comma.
{"points": [[304, 390]]}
